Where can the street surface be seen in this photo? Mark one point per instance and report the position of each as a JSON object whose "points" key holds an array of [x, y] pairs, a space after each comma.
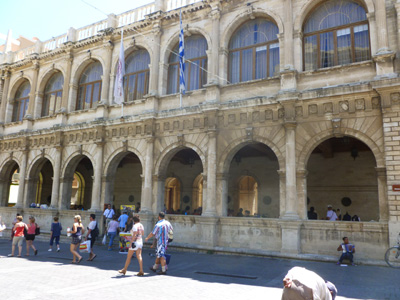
{"points": [[50, 275]]}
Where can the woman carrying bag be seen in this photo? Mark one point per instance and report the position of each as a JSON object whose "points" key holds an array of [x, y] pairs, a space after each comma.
{"points": [[136, 245], [77, 230]]}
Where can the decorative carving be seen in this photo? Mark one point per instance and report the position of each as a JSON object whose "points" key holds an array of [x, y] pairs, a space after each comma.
{"points": [[299, 111], [166, 126], [243, 118], [281, 113], [312, 109], [180, 139], [125, 145], [376, 103], [344, 106], [360, 104], [336, 126], [328, 108], [43, 152], [249, 133], [231, 119], [395, 97], [256, 116], [268, 114]]}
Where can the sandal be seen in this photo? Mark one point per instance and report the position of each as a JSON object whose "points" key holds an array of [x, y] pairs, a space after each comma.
{"points": [[122, 271], [79, 260], [140, 274]]}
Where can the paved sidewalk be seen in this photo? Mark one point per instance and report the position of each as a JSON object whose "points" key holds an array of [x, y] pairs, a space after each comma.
{"points": [[49, 275]]}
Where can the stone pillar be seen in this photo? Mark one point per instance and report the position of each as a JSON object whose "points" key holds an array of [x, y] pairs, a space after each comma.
{"points": [[55, 189], [158, 194], [32, 94], [4, 98], [146, 202], [155, 60], [288, 73], [291, 190], [373, 32], [98, 172], [290, 236], [107, 188], [37, 111], [382, 195], [210, 202], [222, 194], [215, 16], [298, 50], [282, 193], [66, 189], [67, 79], [105, 83], [381, 25], [22, 176], [384, 56], [301, 181]]}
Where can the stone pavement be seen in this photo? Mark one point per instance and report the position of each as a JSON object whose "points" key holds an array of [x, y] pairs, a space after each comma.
{"points": [[49, 275]]}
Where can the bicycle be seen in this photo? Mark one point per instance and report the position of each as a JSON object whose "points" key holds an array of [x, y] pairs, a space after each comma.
{"points": [[392, 255]]}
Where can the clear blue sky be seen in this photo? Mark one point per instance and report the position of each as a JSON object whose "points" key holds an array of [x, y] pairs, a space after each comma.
{"points": [[47, 18]]}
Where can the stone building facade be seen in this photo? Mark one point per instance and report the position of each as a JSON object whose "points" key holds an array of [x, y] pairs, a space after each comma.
{"points": [[289, 104]]}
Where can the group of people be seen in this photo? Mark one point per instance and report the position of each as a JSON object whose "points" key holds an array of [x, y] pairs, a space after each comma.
{"points": [[162, 232], [21, 231], [332, 215]]}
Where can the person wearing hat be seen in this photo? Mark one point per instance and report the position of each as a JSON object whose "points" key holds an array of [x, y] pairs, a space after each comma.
{"points": [[302, 284], [330, 214]]}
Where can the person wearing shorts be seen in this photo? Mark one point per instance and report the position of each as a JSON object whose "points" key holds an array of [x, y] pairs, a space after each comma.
{"points": [[76, 234], [92, 235], [160, 231], [18, 237], [136, 246], [30, 237]]}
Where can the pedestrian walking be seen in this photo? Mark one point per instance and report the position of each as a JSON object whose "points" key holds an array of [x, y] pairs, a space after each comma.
{"points": [[18, 237], [112, 231], [30, 237], [2, 227], [92, 234], [160, 231], [55, 234], [76, 234], [136, 246]]}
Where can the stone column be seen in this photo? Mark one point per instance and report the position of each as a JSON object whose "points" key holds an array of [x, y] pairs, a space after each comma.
{"points": [[66, 189], [98, 172], [4, 98], [55, 189], [215, 16], [222, 194], [381, 25], [282, 193], [384, 56], [64, 102], [32, 94], [107, 190], [288, 37], [22, 176], [37, 110], [105, 85], [158, 194], [302, 193], [159, 5], [291, 192], [373, 32], [382, 195], [210, 202], [155, 59], [146, 202]]}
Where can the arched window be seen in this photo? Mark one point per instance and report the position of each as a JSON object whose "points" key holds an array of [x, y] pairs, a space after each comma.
{"points": [[52, 95], [137, 75], [89, 87], [254, 51], [336, 33], [21, 102], [195, 67]]}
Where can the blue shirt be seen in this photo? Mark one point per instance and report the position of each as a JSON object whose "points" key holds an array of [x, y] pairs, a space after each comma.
{"points": [[122, 220], [56, 228]]}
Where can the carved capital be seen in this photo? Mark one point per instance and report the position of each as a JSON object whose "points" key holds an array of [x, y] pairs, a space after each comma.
{"points": [[336, 127]]}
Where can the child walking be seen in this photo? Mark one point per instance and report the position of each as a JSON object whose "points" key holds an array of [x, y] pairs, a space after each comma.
{"points": [[55, 234]]}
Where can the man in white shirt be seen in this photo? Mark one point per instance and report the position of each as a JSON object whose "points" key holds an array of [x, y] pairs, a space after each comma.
{"points": [[2, 227], [330, 214], [302, 284], [108, 214]]}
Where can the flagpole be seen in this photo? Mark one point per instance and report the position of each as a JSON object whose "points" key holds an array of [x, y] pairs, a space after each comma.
{"points": [[122, 109], [180, 99]]}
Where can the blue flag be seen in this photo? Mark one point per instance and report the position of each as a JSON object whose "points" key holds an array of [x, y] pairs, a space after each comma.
{"points": [[182, 84]]}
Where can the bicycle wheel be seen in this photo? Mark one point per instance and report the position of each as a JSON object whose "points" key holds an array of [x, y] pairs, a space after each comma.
{"points": [[392, 257]]}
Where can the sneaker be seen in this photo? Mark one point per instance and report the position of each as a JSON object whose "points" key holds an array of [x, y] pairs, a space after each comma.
{"points": [[10, 255], [162, 273], [58, 249], [50, 250]]}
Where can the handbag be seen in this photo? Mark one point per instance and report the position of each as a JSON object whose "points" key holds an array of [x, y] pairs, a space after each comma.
{"points": [[84, 247], [37, 230], [104, 240]]}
